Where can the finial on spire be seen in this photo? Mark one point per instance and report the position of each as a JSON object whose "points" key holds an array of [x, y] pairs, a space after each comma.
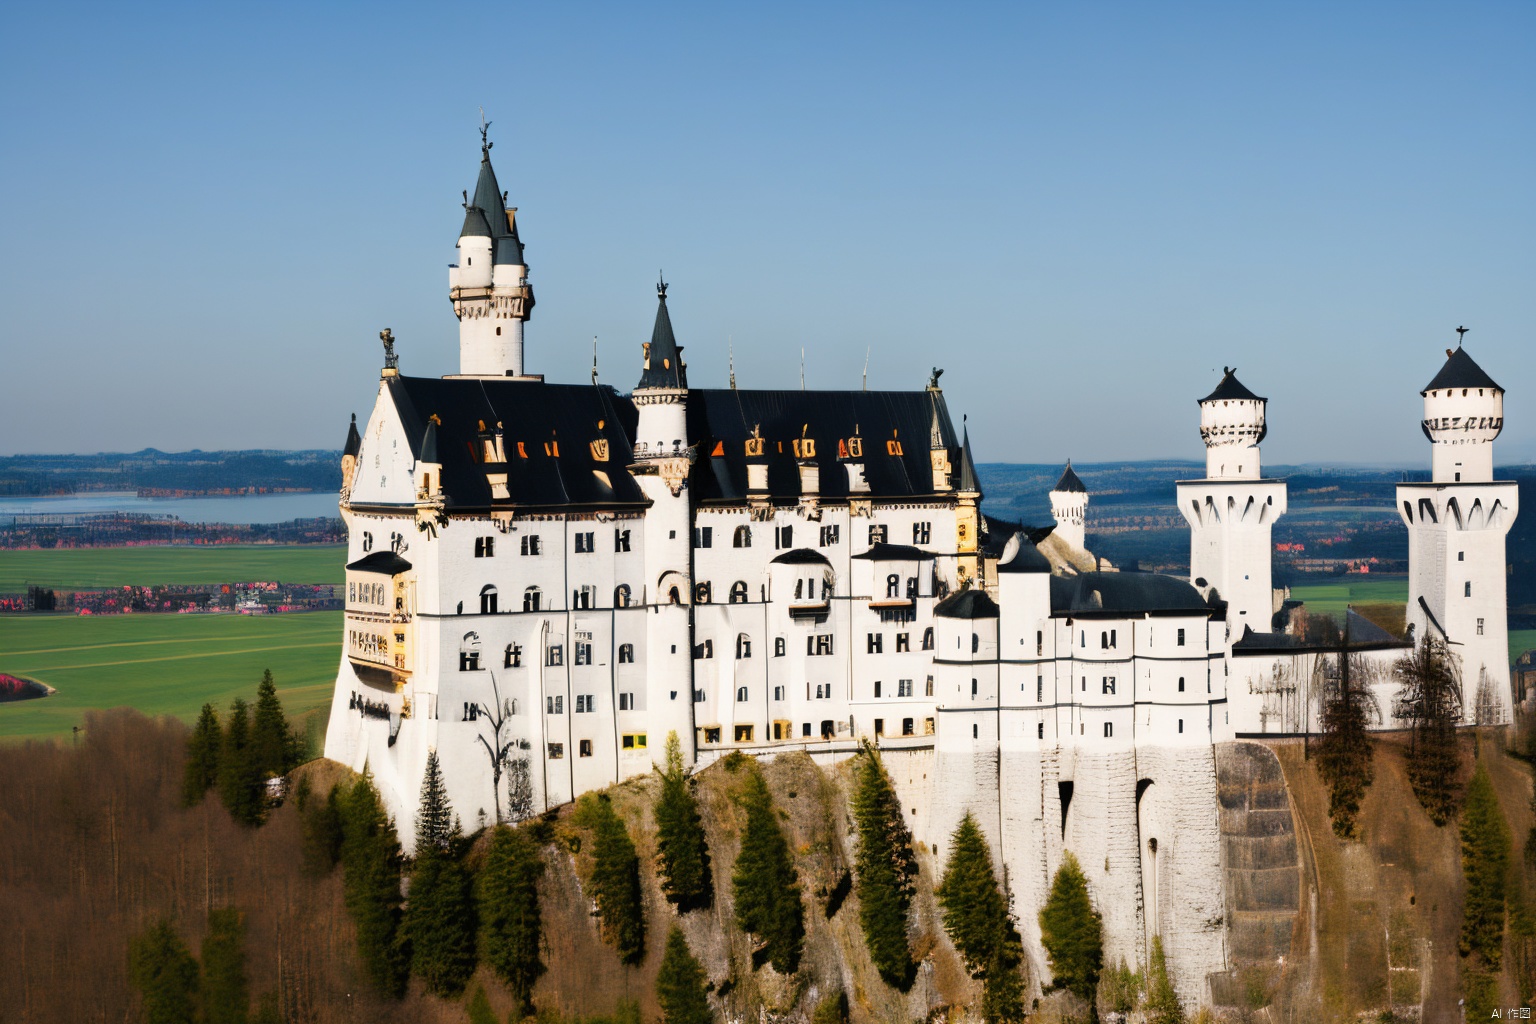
{"points": [[730, 343], [1460, 335], [661, 285], [802, 367], [485, 126], [867, 350], [933, 380], [594, 359], [391, 361]]}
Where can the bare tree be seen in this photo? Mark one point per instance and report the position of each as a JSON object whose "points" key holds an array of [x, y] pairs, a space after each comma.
{"points": [[497, 715], [1431, 701], [1344, 749]]}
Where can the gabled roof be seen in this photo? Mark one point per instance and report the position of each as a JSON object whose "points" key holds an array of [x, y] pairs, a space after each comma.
{"points": [[894, 553], [1231, 389], [969, 603], [354, 442], [1069, 482], [1460, 371], [801, 556], [1124, 593], [386, 563], [663, 366]]}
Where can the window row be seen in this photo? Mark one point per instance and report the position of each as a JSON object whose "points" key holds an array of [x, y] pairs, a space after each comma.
{"points": [[829, 535]]}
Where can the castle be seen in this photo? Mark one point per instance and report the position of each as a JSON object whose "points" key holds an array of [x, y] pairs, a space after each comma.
{"points": [[546, 580]]}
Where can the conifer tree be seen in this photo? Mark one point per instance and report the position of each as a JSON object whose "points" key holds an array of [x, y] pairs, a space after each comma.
{"points": [[885, 870], [1485, 846], [1002, 994], [226, 988], [765, 883], [1344, 749], [1162, 1003], [439, 918], [240, 779], [370, 857], [1431, 701], [202, 769], [480, 1011], [435, 829], [273, 745], [833, 1009], [681, 985], [323, 833], [977, 920], [682, 855], [615, 878], [165, 975], [1072, 931], [507, 897]]}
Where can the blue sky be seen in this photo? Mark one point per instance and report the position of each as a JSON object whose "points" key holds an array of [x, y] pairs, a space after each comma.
{"points": [[1080, 211]]}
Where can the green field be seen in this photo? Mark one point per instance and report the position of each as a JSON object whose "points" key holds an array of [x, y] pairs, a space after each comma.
{"points": [[1520, 641], [1337, 594], [162, 664], [70, 568]]}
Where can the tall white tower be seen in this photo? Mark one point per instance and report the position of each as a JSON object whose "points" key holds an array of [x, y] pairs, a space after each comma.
{"points": [[489, 285], [1456, 527], [1069, 507], [1232, 512]]}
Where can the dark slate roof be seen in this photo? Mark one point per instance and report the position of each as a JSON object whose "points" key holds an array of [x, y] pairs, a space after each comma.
{"points": [[354, 442], [663, 365], [967, 604], [969, 481], [506, 246], [475, 224], [1069, 481], [1251, 641], [1231, 389], [995, 534], [722, 421], [1124, 593], [1460, 371], [801, 556], [565, 417], [894, 553], [1028, 559], [386, 563]]}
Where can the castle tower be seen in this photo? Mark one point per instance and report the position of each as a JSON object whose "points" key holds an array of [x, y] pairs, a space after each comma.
{"points": [[664, 455], [1456, 527], [1232, 511], [968, 514], [489, 285], [1069, 507]]}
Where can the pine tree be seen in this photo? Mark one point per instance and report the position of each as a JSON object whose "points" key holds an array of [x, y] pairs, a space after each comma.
{"points": [[202, 769], [615, 878], [165, 975], [975, 911], [1162, 1003], [370, 857], [507, 897], [240, 779], [765, 883], [885, 869], [681, 985], [439, 918], [1485, 847], [273, 745], [1002, 994], [682, 855], [480, 1011], [1344, 749], [1431, 701], [1072, 931], [323, 834], [226, 988]]}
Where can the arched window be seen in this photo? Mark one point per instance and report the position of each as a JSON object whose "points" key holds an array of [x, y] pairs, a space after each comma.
{"points": [[621, 596], [741, 694], [703, 593], [469, 652], [488, 600], [743, 645], [912, 588], [739, 592], [893, 585], [780, 646], [514, 657], [742, 537], [626, 654], [928, 639], [532, 599]]}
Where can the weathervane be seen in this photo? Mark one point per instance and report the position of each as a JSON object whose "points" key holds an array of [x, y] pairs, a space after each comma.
{"points": [[391, 361], [661, 285], [1461, 334], [594, 359], [485, 126]]}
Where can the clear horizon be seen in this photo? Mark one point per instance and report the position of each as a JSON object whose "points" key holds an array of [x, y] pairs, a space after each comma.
{"points": [[1081, 214]]}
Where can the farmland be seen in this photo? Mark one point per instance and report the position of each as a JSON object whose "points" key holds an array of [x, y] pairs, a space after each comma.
{"points": [[162, 664], [1333, 596], [85, 568]]}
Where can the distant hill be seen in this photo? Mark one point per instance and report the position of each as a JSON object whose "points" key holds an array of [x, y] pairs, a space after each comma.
{"points": [[152, 470]]}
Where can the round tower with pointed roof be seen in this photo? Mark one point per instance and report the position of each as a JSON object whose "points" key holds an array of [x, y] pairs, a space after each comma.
{"points": [[1069, 507], [489, 285], [1456, 535]]}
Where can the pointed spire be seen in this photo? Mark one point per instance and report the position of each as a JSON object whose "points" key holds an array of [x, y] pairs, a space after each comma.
{"points": [[489, 202], [1069, 482], [354, 442], [429, 441], [969, 481], [663, 366]]}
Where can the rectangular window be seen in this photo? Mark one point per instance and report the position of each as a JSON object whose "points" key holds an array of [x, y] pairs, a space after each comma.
{"points": [[805, 729], [621, 540], [876, 642], [1467, 589], [626, 702], [554, 705], [469, 661], [778, 693], [878, 534], [1181, 637], [818, 645], [485, 547], [1181, 684], [585, 748], [1461, 556], [783, 537], [583, 703], [903, 687], [907, 727], [903, 642], [556, 751], [1181, 725], [1479, 627], [922, 533], [879, 727], [633, 741], [877, 687], [1039, 689], [712, 735], [698, 696], [1039, 730], [1109, 729], [928, 687], [1039, 643], [829, 536], [743, 734], [927, 727], [583, 654], [531, 544], [556, 656], [1109, 685], [973, 687], [780, 647], [583, 543], [703, 536]]}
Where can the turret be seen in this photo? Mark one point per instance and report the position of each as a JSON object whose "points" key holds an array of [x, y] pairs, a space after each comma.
{"points": [[489, 285], [1463, 413], [663, 388], [349, 457], [1232, 426], [1069, 507]]}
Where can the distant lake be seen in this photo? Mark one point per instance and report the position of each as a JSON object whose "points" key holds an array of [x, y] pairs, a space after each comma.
{"points": [[255, 508]]}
